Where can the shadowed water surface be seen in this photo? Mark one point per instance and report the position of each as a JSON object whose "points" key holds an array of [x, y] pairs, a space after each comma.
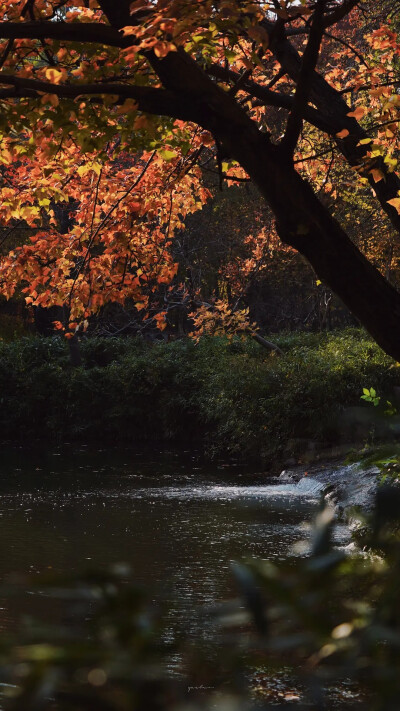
{"points": [[177, 523]]}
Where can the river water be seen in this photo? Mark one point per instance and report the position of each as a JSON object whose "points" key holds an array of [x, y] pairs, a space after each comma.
{"points": [[178, 523]]}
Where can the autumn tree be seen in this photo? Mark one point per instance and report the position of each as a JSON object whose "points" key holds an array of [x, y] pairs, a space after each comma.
{"points": [[86, 83]]}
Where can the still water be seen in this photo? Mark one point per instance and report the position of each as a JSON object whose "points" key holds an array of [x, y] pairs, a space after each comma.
{"points": [[179, 524]]}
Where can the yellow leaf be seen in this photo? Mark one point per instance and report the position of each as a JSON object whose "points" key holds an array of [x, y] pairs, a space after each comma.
{"points": [[96, 167], [5, 156], [53, 75]]}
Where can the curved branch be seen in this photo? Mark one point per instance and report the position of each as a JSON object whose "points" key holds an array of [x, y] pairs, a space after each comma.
{"points": [[340, 12], [300, 101], [93, 32], [148, 99], [348, 45]]}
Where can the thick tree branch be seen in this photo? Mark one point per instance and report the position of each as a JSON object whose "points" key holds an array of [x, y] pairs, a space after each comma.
{"points": [[308, 64], [92, 32], [148, 99], [118, 12], [268, 97]]}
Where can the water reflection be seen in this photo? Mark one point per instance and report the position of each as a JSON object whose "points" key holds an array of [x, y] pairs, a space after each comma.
{"points": [[177, 523]]}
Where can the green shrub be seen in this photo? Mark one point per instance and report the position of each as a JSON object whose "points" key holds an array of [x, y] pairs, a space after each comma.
{"points": [[235, 398]]}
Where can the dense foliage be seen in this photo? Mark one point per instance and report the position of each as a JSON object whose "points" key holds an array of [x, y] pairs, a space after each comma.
{"points": [[112, 114], [232, 398]]}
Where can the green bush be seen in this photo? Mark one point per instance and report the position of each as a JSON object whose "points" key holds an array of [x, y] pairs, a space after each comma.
{"points": [[235, 398]]}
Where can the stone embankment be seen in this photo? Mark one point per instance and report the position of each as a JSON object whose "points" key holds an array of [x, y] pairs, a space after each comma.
{"points": [[345, 486]]}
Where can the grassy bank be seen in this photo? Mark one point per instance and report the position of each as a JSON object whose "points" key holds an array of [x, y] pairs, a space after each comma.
{"points": [[233, 398]]}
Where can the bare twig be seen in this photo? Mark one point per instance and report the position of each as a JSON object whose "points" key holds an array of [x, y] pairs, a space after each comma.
{"points": [[349, 46]]}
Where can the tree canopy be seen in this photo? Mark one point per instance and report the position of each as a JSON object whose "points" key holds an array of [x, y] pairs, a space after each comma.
{"points": [[110, 111]]}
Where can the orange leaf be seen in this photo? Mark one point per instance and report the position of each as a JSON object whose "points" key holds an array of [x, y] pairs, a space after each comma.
{"points": [[343, 133], [396, 204], [358, 113], [377, 174]]}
